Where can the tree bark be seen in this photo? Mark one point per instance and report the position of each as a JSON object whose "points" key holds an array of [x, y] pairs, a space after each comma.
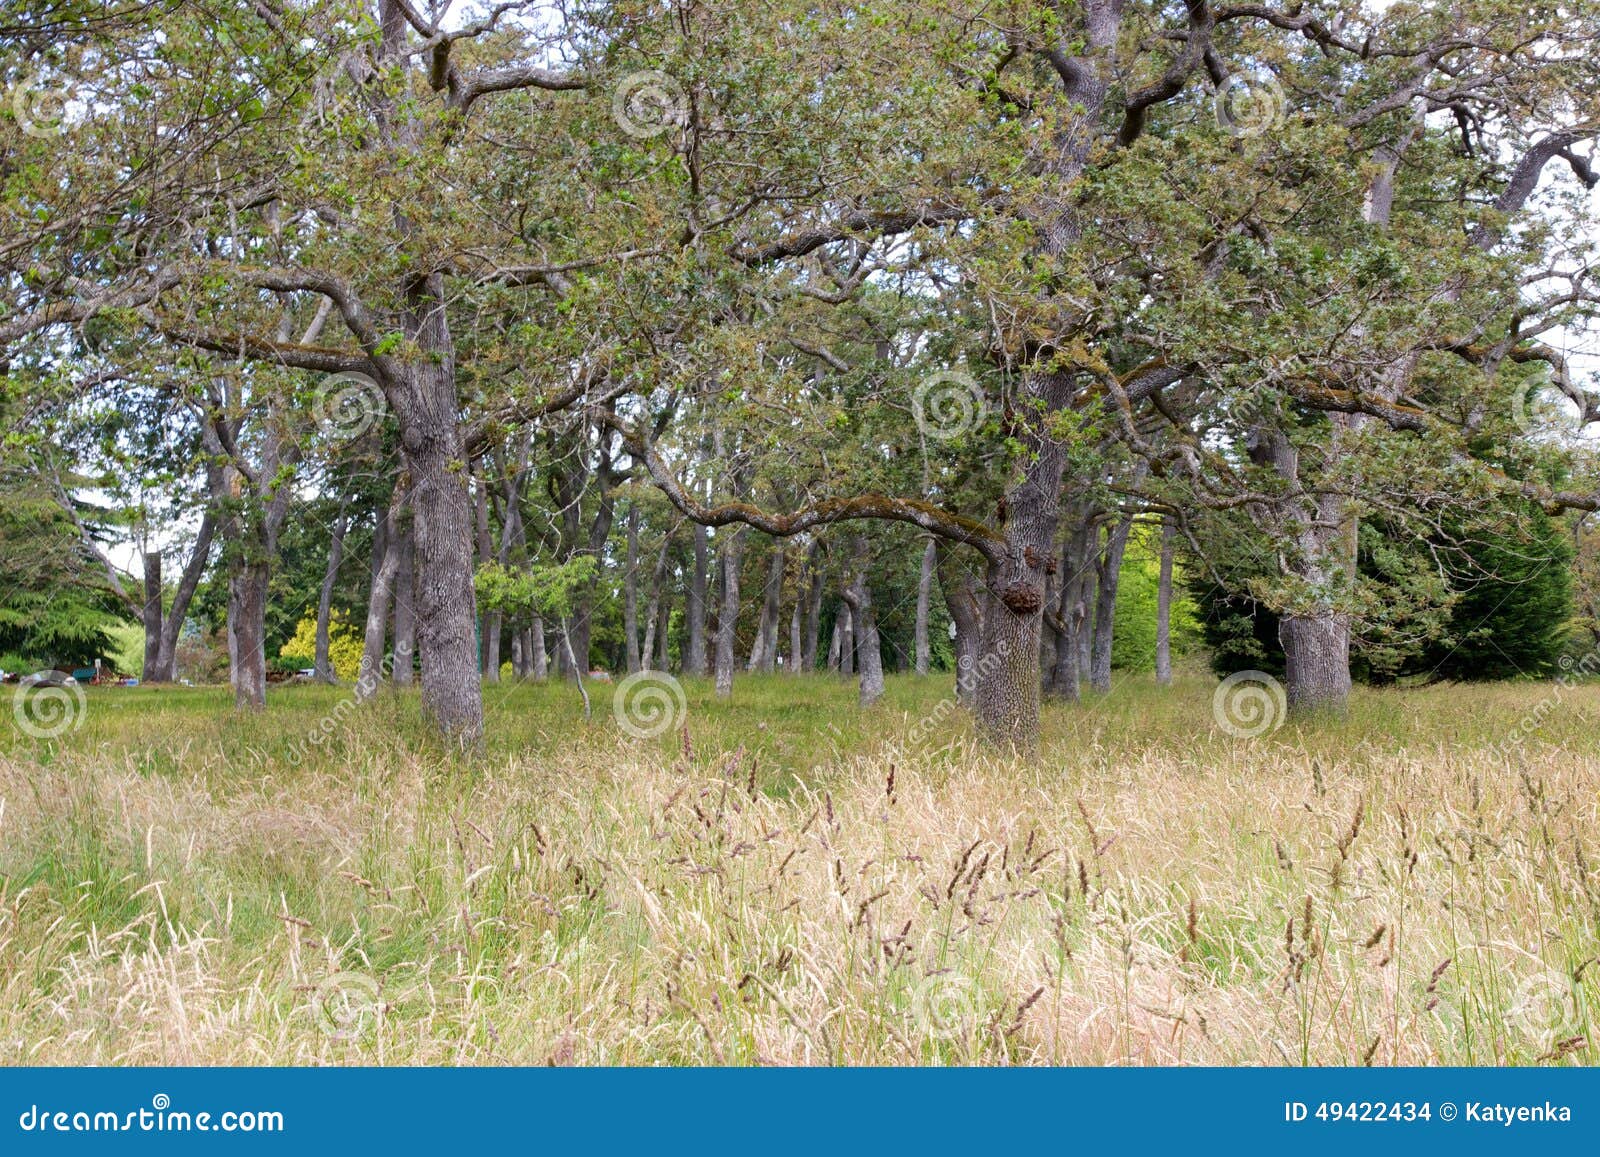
{"points": [[491, 646], [816, 566], [152, 615], [386, 563], [796, 643], [559, 650], [847, 641], [1072, 611], [421, 390], [857, 595], [247, 614], [1084, 640], [1317, 549], [485, 540], [405, 603], [962, 600], [172, 626], [1007, 665], [924, 607], [630, 595], [731, 559], [254, 503], [694, 609], [538, 655], [1164, 608], [1316, 653], [657, 610], [513, 539], [452, 691], [1105, 605], [663, 661], [579, 629], [764, 650]]}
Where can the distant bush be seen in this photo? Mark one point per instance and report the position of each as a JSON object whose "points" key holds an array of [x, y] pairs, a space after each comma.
{"points": [[344, 645]]}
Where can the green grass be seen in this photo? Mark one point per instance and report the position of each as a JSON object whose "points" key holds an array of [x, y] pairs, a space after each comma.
{"points": [[180, 882]]}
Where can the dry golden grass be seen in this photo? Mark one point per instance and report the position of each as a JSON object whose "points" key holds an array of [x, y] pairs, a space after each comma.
{"points": [[796, 886]]}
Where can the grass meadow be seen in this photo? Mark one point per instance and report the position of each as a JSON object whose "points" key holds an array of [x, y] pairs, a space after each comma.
{"points": [[787, 879]]}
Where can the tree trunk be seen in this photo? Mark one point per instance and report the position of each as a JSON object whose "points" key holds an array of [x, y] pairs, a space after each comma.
{"points": [[513, 538], [1008, 663], [796, 643], [330, 575], [494, 621], [491, 646], [657, 610], [1084, 641], [924, 607], [694, 609], [249, 532], [442, 522], [247, 616], [172, 626], [1049, 635], [152, 615], [816, 565], [857, 595], [732, 558], [538, 656], [386, 563], [961, 600], [577, 638], [1072, 612], [1164, 608], [630, 594], [764, 651], [405, 603], [480, 513], [663, 640], [1320, 528], [559, 650], [1316, 654], [835, 640], [847, 641], [1105, 605], [580, 630], [1317, 550]]}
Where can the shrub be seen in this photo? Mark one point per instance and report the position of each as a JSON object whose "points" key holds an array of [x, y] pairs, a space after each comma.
{"points": [[344, 645]]}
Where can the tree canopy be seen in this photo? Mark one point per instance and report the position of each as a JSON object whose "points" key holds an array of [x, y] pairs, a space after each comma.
{"points": [[665, 334]]}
